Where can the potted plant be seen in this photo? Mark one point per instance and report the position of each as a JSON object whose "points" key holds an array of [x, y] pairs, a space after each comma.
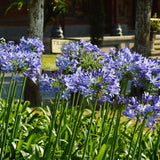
{"points": [[155, 26]]}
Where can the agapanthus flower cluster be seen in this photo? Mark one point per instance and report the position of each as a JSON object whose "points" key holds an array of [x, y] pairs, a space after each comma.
{"points": [[129, 65], [102, 81], [76, 54], [148, 108], [23, 58], [33, 45], [50, 85], [125, 64], [85, 69]]}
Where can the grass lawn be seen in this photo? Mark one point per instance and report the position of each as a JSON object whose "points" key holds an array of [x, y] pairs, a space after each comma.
{"points": [[49, 62]]}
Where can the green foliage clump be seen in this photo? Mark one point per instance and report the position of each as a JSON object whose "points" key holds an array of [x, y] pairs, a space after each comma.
{"points": [[155, 24], [60, 132]]}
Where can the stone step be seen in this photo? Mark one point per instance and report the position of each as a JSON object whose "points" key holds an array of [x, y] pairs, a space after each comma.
{"points": [[155, 53], [153, 57], [157, 42], [158, 37], [156, 47]]}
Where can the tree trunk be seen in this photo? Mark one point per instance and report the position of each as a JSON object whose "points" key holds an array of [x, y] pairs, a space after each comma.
{"points": [[142, 36], [142, 27], [36, 18], [97, 21], [36, 22]]}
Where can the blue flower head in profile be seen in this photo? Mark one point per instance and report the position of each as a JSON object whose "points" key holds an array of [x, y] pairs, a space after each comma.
{"points": [[141, 71], [148, 108], [102, 81], [80, 53]]}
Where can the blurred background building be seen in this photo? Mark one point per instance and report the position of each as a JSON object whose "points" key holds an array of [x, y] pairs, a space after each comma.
{"points": [[75, 22]]}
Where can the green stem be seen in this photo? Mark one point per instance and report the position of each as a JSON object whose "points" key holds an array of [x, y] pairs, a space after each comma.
{"points": [[135, 127], [9, 89], [115, 134], [10, 106], [73, 100], [124, 85], [90, 124], [139, 138], [59, 128], [8, 93], [76, 106], [110, 127], [15, 130], [74, 109], [157, 145], [2, 80], [140, 148], [53, 117], [13, 90], [109, 131], [103, 122], [75, 129]]}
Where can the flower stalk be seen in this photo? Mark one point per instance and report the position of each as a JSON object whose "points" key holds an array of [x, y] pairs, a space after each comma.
{"points": [[115, 134], [2, 80], [15, 130], [9, 109], [90, 124], [139, 139], [132, 138]]}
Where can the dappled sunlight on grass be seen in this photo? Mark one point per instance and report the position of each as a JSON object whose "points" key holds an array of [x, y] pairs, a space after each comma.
{"points": [[49, 62]]}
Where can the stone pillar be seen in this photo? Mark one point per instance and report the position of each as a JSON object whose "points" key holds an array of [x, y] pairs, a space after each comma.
{"points": [[117, 30]]}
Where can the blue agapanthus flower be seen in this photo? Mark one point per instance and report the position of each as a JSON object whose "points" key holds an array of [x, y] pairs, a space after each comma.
{"points": [[85, 69], [148, 108], [75, 54], [34, 45], [102, 81], [23, 58], [142, 71]]}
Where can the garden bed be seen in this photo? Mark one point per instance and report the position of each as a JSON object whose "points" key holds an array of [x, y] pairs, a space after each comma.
{"points": [[114, 125]]}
